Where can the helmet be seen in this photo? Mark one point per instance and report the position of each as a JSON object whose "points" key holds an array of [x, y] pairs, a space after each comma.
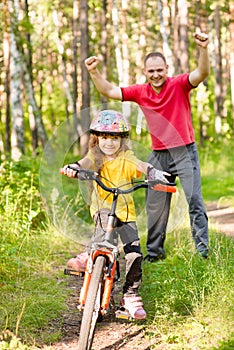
{"points": [[110, 122]]}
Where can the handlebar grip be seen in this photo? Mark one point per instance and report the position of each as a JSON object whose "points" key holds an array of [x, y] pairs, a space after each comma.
{"points": [[61, 171], [164, 188]]}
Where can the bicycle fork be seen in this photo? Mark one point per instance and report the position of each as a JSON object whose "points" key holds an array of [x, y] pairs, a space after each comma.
{"points": [[109, 275]]}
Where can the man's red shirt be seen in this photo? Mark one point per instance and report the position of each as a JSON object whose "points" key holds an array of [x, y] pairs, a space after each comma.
{"points": [[168, 114]]}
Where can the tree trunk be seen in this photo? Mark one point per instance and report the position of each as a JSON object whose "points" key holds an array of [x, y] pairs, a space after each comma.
{"points": [[175, 35], [231, 26], [141, 44], [218, 74], [17, 137], [71, 104], [163, 9], [183, 35], [33, 108], [201, 90], [84, 48], [125, 48], [104, 47], [118, 56], [75, 30], [32, 121], [6, 40]]}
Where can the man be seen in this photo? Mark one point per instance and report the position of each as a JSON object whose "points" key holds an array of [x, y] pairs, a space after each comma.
{"points": [[165, 102]]}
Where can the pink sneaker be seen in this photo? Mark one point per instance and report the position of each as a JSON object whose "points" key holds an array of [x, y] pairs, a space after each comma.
{"points": [[79, 262], [133, 303]]}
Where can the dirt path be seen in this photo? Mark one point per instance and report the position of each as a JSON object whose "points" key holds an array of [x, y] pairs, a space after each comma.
{"points": [[114, 335], [110, 334], [222, 217]]}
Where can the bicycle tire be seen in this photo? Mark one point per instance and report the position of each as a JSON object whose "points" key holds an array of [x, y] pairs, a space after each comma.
{"points": [[92, 306]]}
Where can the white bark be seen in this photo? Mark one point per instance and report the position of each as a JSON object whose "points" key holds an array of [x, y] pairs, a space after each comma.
{"points": [[17, 138]]}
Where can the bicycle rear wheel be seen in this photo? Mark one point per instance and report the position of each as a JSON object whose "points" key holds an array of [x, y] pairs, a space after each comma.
{"points": [[92, 306]]}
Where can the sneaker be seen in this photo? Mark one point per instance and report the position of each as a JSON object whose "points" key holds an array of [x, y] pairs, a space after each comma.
{"points": [[133, 303], [152, 259], [79, 262], [204, 253]]}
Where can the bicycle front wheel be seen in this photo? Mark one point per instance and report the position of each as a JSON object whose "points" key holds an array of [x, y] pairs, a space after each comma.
{"points": [[92, 306]]}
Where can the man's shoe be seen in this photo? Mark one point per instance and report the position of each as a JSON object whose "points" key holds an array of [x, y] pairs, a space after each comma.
{"points": [[204, 253], [152, 259]]}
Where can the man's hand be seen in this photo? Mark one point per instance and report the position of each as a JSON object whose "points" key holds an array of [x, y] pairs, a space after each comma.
{"points": [[201, 39], [92, 63]]}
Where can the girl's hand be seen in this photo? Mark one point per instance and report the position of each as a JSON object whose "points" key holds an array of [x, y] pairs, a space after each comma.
{"points": [[66, 170]]}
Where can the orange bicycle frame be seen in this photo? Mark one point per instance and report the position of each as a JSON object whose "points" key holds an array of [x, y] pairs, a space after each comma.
{"points": [[108, 279]]}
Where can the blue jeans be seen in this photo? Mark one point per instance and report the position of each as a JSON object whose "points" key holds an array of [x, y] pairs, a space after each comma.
{"points": [[184, 163]]}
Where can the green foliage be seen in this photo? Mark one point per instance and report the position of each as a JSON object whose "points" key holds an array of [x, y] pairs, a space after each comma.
{"points": [[188, 299], [9, 340], [20, 200], [217, 163], [31, 293], [32, 290], [187, 294]]}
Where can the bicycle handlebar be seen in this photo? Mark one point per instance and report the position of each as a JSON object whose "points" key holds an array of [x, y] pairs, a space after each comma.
{"points": [[156, 185]]}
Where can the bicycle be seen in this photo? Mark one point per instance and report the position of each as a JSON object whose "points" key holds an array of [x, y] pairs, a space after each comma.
{"points": [[102, 265]]}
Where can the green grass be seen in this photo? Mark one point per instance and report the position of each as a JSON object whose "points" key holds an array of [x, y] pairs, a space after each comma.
{"points": [[33, 289], [217, 164], [189, 300]]}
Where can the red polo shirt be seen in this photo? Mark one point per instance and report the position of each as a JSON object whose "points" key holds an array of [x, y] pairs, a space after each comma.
{"points": [[168, 114]]}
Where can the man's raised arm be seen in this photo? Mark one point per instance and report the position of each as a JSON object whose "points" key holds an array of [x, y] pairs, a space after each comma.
{"points": [[103, 86], [203, 69]]}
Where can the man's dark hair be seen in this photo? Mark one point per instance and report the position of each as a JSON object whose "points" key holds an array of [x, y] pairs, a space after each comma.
{"points": [[155, 54]]}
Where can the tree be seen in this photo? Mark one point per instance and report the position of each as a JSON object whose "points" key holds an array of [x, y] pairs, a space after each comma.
{"points": [[17, 140], [6, 58], [75, 30], [231, 26], [163, 9], [183, 35], [84, 52], [50, 83], [218, 72]]}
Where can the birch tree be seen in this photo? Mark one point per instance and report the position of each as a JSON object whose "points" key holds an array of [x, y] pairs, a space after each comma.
{"points": [[17, 139], [6, 58], [20, 73]]}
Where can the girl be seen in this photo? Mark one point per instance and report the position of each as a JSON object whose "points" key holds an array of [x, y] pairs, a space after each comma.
{"points": [[110, 155]]}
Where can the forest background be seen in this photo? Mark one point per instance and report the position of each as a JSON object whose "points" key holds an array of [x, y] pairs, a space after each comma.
{"points": [[43, 80], [46, 102]]}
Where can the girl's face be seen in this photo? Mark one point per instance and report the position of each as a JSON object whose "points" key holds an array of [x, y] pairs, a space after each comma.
{"points": [[109, 145]]}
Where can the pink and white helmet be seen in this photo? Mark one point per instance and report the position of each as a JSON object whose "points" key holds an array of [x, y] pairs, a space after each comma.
{"points": [[110, 122]]}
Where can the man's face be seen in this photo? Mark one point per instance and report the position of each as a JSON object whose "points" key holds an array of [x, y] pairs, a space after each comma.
{"points": [[156, 72]]}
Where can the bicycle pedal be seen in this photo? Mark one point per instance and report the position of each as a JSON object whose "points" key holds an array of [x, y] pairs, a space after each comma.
{"points": [[73, 273], [122, 313]]}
